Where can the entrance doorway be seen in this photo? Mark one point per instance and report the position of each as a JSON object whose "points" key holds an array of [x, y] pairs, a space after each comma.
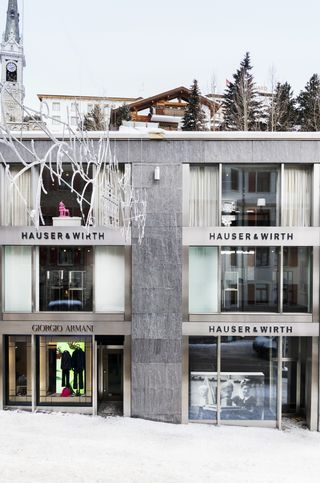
{"points": [[110, 380]]}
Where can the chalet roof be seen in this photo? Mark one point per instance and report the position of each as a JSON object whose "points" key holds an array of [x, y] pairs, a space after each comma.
{"points": [[181, 92]]}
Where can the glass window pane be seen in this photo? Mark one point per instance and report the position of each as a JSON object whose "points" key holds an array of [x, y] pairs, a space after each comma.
{"points": [[109, 279], [66, 278], [19, 370], [65, 370], [297, 286], [249, 279], [203, 279], [297, 187], [249, 195], [18, 279], [203, 200], [248, 378], [203, 378], [60, 190]]}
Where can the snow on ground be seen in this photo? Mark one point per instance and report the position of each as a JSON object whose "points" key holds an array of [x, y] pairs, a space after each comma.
{"points": [[74, 448]]}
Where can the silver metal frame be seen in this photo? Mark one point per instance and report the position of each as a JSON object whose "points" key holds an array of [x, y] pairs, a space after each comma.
{"points": [[185, 380], [127, 376], [218, 364], [128, 282], [94, 377], [280, 282], [279, 384], [314, 389], [185, 194], [185, 283], [2, 375], [34, 373], [2, 278]]}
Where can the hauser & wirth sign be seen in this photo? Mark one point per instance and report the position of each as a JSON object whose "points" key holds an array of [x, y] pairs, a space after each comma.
{"points": [[298, 329], [53, 235], [247, 236], [233, 236]]}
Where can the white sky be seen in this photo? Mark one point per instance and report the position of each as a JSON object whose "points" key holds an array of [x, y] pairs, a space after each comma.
{"points": [[142, 47]]}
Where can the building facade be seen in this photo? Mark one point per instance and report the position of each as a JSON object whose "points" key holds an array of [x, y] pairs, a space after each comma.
{"points": [[70, 109], [214, 317]]}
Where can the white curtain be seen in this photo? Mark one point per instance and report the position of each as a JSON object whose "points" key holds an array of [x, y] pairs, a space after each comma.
{"points": [[13, 210], [203, 280], [18, 279], [109, 279], [296, 210], [203, 198]]}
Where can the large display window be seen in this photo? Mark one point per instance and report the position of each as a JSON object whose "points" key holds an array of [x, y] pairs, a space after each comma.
{"points": [[19, 373], [66, 278], [249, 279], [65, 370], [245, 386], [248, 378], [249, 195], [66, 188]]}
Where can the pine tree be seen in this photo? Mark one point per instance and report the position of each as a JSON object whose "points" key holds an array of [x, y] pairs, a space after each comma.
{"points": [[282, 114], [94, 120], [194, 117], [241, 107], [309, 105], [120, 114]]}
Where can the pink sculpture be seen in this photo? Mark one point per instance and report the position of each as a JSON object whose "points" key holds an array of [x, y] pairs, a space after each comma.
{"points": [[63, 211]]}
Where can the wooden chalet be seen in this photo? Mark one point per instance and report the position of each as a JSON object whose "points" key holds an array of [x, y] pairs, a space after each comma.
{"points": [[166, 109]]}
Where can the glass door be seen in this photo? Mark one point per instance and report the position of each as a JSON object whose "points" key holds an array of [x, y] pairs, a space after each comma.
{"points": [[110, 373]]}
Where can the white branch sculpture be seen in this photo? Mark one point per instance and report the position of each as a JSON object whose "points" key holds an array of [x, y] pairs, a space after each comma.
{"points": [[92, 160]]}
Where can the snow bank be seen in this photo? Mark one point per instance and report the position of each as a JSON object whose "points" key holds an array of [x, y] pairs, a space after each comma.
{"points": [[74, 448]]}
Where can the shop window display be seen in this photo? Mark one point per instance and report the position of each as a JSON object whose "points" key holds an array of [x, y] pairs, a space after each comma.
{"points": [[66, 278], [203, 378], [248, 378], [249, 279], [249, 195], [65, 370], [246, 385], [19, 370], [57, 190]]}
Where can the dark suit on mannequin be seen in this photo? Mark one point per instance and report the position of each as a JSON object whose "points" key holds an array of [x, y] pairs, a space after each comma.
{"points": [[78, 366], [66, 365]]}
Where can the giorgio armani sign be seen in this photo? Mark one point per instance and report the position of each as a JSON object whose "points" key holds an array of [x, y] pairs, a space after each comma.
{"points": [[55, 328]]}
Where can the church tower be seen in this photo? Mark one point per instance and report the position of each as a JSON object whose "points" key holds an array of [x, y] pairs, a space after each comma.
{"points": [[12, 64]]}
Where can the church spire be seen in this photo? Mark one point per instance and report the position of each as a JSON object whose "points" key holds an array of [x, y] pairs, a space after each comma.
{"points": [[12, 25]]}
